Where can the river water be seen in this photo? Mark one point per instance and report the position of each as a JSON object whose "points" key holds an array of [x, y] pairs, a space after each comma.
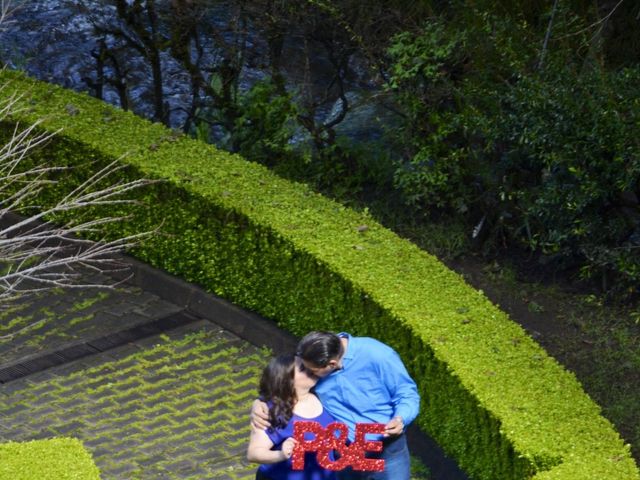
{"points": [[53, 40]]}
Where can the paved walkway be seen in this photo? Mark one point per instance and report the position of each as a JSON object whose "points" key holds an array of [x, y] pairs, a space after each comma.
{"points": [[156, 377], [169, 406], [152, 388]]}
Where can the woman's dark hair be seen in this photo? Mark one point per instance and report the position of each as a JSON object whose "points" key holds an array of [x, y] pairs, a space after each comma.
{"points": [[276, 387], [319, 348]]}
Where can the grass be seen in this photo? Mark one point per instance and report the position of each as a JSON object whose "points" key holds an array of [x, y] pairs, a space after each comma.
{"points": [[598, 342], [602, 347], [78, 306], [419, 471], [161, 401]]}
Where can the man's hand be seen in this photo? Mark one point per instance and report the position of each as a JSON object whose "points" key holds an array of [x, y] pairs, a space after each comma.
{"points": [[394, 428], [260, 415]]}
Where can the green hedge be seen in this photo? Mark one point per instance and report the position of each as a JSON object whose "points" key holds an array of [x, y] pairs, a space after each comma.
{"points": [[55, 459], [491, 397]]}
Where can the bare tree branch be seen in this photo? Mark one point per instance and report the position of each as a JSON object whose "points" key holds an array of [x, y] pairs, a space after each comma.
{"points": [[5, 12], [547, 35], [598, 23], [37, 254]]}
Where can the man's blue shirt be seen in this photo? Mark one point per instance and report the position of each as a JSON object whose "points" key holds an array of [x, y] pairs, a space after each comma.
{"points": [[372, 386]]}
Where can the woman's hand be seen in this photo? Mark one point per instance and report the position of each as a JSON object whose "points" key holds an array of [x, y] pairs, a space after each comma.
{"points": [[260, 415], [287, 447]]}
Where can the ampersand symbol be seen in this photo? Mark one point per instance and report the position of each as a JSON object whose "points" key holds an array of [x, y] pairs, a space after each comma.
{"points": [[338, 444]]}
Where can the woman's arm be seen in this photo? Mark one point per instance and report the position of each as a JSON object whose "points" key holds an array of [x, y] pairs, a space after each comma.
{"points": [[259, 450]]}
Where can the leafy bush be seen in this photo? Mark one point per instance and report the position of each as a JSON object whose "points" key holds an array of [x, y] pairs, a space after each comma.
{"points": [[54, 459], [263, 128], [567, 150], [548, 160], [430, 173]]}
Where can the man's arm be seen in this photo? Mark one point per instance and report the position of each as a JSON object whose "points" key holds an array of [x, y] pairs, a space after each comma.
{"points": [[404, 394], [259, 415]]}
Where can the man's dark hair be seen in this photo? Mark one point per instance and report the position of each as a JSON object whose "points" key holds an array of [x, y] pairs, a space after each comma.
{"points": [[319, 348]]}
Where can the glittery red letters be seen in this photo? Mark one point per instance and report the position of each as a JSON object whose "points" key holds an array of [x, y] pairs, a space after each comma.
{"points": [[334, 439]]}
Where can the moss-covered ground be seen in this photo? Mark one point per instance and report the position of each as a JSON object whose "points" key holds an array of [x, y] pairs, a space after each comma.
{"points": [[51, 320], [170, 406]]}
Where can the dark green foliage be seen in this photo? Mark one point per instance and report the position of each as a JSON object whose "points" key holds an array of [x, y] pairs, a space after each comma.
{"points": [[543, 156], [570, 164], [515, 118], [263, 127]]}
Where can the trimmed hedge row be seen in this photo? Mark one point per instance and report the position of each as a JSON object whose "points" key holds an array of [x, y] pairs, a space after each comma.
{"points": [[491, 397], [55, 459]]}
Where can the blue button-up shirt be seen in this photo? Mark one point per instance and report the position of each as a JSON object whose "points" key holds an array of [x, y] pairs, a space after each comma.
{"points": [[373, 386]]}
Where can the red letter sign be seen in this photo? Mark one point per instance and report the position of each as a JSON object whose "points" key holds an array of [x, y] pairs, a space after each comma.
{"points": [[325, 441]]}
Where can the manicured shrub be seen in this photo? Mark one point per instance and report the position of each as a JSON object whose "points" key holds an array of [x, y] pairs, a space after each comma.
{"points": [[54, 459]]}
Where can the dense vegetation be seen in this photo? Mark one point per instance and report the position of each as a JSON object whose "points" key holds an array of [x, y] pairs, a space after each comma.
{"points": [[512, 122], [59, 458], [531, 141]]}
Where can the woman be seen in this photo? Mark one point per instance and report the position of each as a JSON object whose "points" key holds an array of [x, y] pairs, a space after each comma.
{"points": [[287, 391]]}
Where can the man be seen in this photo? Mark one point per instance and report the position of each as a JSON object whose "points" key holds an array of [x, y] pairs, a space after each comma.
{"points": [[361, 380]]}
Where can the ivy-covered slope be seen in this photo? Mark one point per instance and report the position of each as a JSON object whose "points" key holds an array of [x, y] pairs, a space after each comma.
{"points": [[491, 396]]}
